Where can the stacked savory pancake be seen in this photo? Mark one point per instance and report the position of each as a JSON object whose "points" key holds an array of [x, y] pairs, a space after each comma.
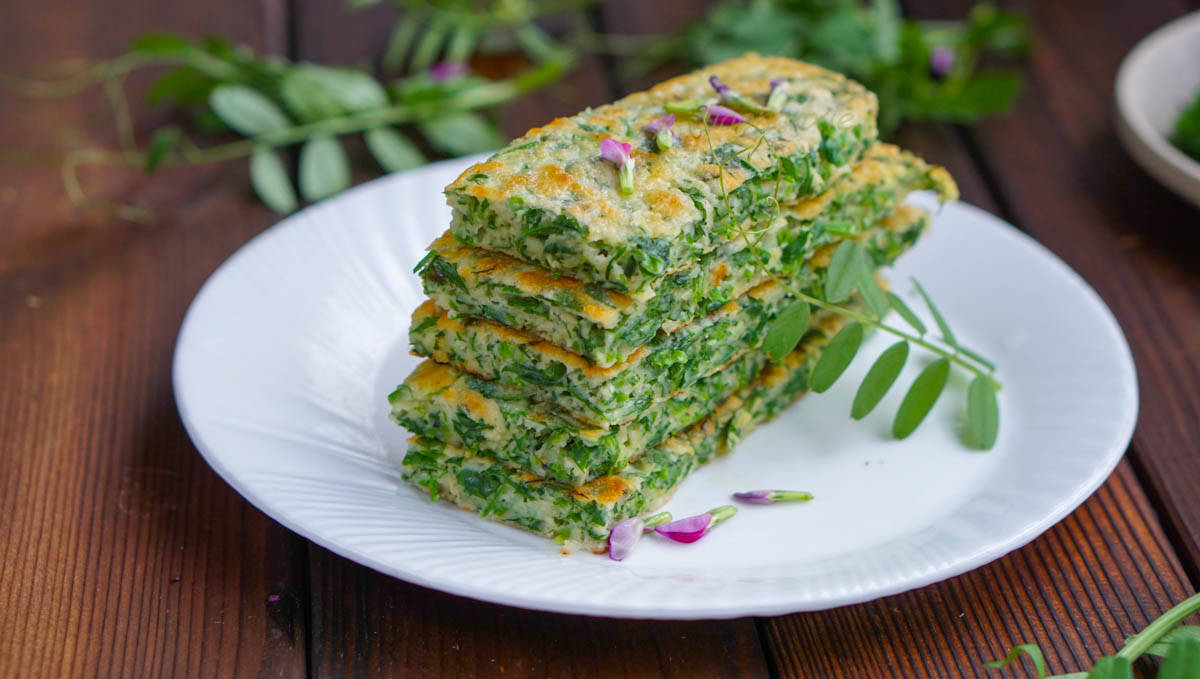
{"points": [[588, 346]]}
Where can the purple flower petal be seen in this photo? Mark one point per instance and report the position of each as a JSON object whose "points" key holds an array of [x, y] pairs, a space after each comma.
{"points": [[445, 70], [661, 130], [766, 497], [720, 115], [660, 123], [624, 537], [614, 151], [686, 530], [619, 154], [756, 497], [721, 88], [941, 61]]}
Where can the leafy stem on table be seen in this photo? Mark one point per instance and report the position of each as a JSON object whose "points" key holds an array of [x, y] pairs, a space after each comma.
{"points": [[1178, 646], [273, 103], [849, 270]]}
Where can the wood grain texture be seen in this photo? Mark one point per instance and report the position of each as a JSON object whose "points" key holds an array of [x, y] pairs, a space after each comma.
{"points": [[1078, 591], [1066, 181], [370, 625], [122, 554]]}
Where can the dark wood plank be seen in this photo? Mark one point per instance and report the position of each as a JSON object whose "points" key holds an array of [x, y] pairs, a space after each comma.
{"points": [[1065, 179], [370, 625], [1078, 591], [123, 554]]}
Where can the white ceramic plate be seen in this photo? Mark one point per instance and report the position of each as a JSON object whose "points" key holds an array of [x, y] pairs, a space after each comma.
{"points": [[288, 352], [1156, 81]]}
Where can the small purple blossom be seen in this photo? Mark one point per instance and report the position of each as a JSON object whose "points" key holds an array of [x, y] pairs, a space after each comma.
{"points": [[625, 535], [447, 70], [661, 129], [693, 528], [619, 154], [734, 98], [766, 497], [778, 95], [941, 61], [719, 115], [721, 88]]}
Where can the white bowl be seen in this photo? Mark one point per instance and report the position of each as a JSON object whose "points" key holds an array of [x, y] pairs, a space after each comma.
{"points": [[1157, 80]]}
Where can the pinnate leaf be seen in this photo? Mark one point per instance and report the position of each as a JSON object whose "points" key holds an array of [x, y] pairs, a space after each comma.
{"points": [[920, 398], [870, 291], [430, 44], [1163, 645], [1112, 667], [836, 357], [461, 134], [163, 44], [270, 181], [1183, 659], [161, 143], [843, 273], [313, 92], [184, 85], [392, 150], [324, 168], [246, 110], [906, 313], [786, 330], [937, 316], [1031, 650], [399, 43], [983, 414], [879, 379]]}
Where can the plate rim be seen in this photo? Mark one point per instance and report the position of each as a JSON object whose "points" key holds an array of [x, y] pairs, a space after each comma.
{"points": [[995, 549]]}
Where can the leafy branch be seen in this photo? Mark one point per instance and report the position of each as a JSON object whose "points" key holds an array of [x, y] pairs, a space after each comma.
{"points": [[1178, 646], [274, 103], [850, 271], [921, 70]]}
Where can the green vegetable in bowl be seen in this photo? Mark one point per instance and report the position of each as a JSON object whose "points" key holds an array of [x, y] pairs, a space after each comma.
{"points": [[1186, 135]]}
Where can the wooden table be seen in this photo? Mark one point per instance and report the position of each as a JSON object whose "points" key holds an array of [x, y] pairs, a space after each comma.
{"points": [[123, 555]]}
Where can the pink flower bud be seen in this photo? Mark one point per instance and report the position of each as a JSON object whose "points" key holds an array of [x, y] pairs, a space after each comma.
{"points": [[447, 70], [693, 528], [624, 537], [719, 115], [941, 61], [766, 497], [619, 154], [660, 129]]}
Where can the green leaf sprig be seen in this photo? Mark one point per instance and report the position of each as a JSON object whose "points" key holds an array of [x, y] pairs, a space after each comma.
{"points": [[275, 103], [849, 271], [921, 70], [1178, 646]]}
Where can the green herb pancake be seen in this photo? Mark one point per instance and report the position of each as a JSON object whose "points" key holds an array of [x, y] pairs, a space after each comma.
{"points": [[492, 420], [581, 516], [549, 198], [606, 326], [603, 396]]}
